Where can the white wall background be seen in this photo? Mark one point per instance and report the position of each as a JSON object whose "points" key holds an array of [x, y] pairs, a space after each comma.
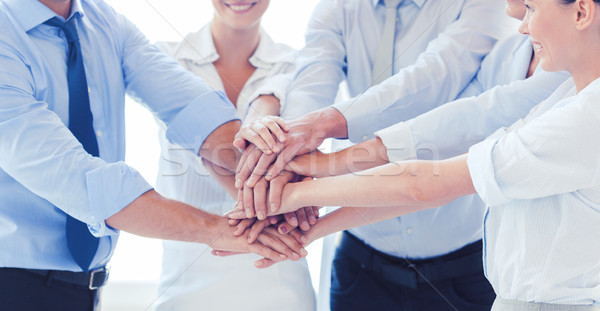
{"points": [[136, 262]]}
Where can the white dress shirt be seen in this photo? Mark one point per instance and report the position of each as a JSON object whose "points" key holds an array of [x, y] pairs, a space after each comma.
{"points": [[192, 279], [540, 180], [439, 47]]}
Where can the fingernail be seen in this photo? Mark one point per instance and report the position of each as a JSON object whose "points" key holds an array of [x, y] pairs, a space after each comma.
{"points": [[295, 255], [282, 256], [249, 240], [294, 221], [312, 219], [238, 183], [303, 239], [273, 208], [260, 215], [275, 148], [303, 252], [248, 213], [305, 225], [282, 138], [284, 229]]}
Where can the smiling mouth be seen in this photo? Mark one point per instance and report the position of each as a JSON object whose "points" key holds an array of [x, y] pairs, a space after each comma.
{"points": [[240, 7]]}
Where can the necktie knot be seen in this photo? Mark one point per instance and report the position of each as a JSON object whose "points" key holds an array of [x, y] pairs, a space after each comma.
{"points": [[68, 28], [391, 4]]}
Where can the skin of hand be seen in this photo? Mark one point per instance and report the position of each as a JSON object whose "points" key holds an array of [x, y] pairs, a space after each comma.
{"points": [[423, 184], [305, 135], [261, 107], [217, 147], [152, 215], [366, 155]]}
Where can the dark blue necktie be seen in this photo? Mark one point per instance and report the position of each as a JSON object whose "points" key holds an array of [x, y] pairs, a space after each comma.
{"points": [[81, 243]]}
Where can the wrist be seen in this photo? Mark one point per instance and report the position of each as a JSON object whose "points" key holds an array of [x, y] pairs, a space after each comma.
{"points": [[331, 122]]}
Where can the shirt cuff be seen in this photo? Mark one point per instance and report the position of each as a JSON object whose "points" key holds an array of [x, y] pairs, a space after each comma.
{"points": [[193, 124], [481, 167], [360, 122], [398, 141], [111, 188]]}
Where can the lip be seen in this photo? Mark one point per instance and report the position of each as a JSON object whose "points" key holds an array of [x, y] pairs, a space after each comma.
{"points": [[537, 46], [240, 7]]}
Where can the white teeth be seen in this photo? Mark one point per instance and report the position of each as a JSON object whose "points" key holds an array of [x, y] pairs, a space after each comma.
{"points": [[240, 7]]}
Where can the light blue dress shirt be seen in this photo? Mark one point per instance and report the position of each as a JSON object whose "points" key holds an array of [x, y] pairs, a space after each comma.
{"points": [[451, 129], [438, 49], [45, 172], [540, 180]]}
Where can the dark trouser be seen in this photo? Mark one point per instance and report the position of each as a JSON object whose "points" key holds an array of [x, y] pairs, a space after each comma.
{"points": [[22, 290], [365, 279]]}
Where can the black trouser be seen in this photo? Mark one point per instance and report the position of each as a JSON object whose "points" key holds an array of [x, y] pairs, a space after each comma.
{"points": [[22, 290], [365, 279]]}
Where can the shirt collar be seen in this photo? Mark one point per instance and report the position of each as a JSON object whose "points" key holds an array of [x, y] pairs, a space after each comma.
{"points": [[419, 3], [32, 13], [199, 48]]}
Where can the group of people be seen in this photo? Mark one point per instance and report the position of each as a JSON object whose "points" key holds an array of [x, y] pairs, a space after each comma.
{"points": [[471, 183]]}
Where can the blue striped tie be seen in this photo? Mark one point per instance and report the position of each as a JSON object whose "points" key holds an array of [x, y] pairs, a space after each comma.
{"points": [[81, 243]]}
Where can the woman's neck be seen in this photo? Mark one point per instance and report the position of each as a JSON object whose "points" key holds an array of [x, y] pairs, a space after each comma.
{"points": [[535, 60], [234, 46]]}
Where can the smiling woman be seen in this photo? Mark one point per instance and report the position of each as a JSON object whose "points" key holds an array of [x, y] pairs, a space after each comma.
{"points": [[137, 262]]}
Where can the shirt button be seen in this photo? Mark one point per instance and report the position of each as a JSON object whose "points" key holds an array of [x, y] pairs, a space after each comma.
{"points": [[89, 90], [99, 133], [409, 230]]}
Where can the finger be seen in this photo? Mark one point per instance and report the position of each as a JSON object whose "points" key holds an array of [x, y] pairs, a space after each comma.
{"points": [[264, 263], [316, 211], [285, 228], [237, 215], [259, 170], [266, 248], [256, 230], [302, 220], [299, 236], [240, 144], [276, 131], [283, 159], [282, 124], [243, 225], [290, 242], [291, 219], [224, 253], [274, 219], [275, 243], [253, 136], [265, 134], [246, 167], [248, 202], [276, 189], [233, 222], [260, 199], [310, 215]]}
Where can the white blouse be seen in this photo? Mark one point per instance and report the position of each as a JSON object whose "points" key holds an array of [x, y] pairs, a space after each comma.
{"points": [[192, 279]]}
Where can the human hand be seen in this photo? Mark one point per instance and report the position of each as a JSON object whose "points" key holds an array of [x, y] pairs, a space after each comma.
{"points": [[269, 236], [262, 133], [253, 201]]}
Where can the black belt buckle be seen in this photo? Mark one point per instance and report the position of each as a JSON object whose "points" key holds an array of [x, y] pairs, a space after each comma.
{"points": [[98, 278]]}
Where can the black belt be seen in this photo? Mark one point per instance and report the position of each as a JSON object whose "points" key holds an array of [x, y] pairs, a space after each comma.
{"points": [[92, 280], [410, 273]]}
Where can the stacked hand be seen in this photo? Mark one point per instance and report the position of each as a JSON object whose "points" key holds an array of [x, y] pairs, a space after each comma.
{"points": [[269, 145]]}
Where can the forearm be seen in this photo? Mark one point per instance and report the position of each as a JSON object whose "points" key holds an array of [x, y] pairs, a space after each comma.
{"points": [[351, 217], [218, 147], [414, 183], [264, 105], [154, 216]]}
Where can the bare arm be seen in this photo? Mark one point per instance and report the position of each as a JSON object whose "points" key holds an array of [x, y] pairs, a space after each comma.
{"points": [[217, 147], [422, 184]]}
